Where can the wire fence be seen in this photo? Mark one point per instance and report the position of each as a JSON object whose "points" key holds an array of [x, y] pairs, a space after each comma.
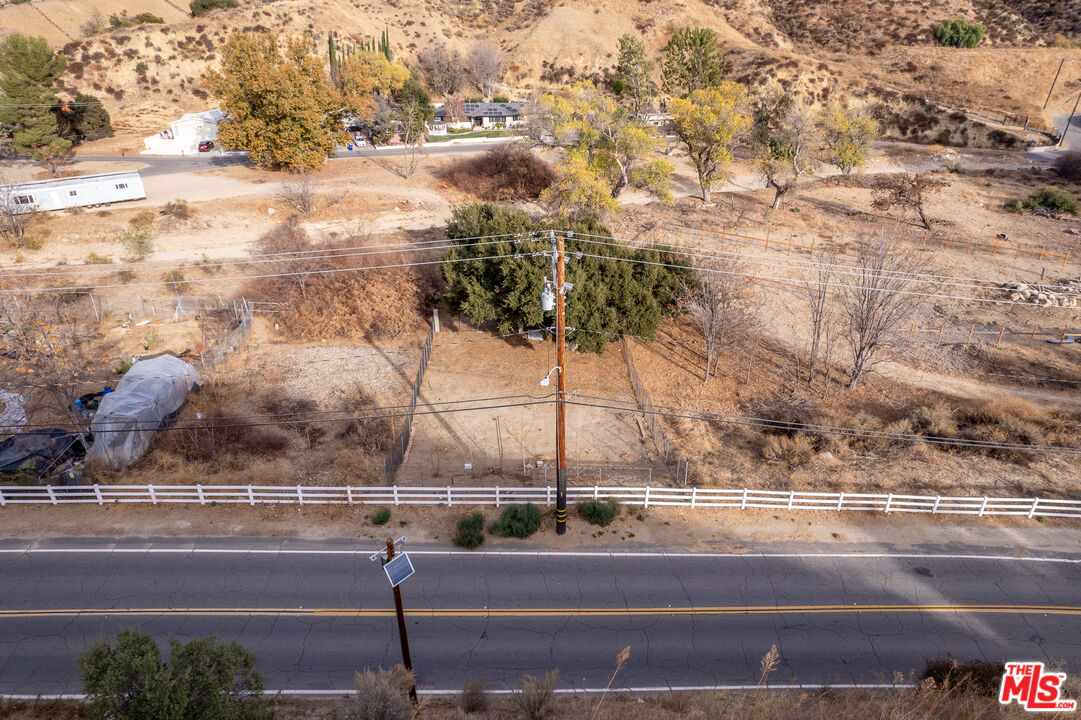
{"points": [[664, 447], [400, 449], [450, 496], [244, 315]]}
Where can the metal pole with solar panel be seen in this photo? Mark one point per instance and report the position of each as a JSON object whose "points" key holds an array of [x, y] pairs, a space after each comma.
{"points": [[398, 569]]}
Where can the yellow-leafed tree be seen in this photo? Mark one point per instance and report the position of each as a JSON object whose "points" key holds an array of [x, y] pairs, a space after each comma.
{"points": [[707, 122], [280, 104], [847, 135], [363, 76], [606, 148]]}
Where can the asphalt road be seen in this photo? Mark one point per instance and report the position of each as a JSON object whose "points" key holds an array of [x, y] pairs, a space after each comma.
{"points": [[171, 165], [313, 613]]}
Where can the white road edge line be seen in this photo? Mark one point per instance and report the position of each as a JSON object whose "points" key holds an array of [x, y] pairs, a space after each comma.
{"points": [[559, 691], [533, 553]]}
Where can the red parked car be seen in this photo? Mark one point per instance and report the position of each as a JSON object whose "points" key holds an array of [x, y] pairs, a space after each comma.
{"points": [[206, 146]]}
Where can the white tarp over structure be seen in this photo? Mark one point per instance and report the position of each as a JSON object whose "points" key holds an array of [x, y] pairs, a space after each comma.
{"points": [[128, 417]]}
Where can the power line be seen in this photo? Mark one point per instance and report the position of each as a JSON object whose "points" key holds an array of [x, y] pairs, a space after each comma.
{"points": [[819, 283], [604, 403], [210, 424], [811, 264], [800, 264], [753, 276], [290, 256], [767, 423], [86, 288]]}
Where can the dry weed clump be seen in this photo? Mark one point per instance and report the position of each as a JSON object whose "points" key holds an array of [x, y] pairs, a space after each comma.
{"points": [[503, 173], [331, 292], [371, 436], [793, 450]]}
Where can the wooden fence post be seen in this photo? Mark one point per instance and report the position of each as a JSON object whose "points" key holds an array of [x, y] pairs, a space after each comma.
{"points": [[1001, 333], [940, 330], [970, 331], [1031, 334]]}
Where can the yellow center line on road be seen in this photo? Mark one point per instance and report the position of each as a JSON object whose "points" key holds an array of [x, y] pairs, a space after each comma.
{"points": [[543, 612]]}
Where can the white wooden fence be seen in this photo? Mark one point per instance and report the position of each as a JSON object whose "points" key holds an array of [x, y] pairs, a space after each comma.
{"points": [[545, 495]]}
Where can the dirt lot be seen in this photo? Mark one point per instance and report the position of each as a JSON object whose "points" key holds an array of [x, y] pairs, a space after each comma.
{"points": [[518, 444]]}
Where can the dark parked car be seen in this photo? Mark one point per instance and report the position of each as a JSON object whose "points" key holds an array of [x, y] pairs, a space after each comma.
{"points": [[206, 146]]}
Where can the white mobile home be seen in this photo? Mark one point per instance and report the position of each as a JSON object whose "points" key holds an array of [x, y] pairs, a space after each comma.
{"points": [[78, 191]]}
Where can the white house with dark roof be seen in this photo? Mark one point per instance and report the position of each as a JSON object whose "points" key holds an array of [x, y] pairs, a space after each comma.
{"points": [[487, 114]]}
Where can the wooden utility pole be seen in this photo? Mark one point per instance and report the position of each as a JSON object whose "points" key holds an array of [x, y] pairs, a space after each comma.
{"points": [[561, 408], [1069, 122], [407, 660], [1061, 62]]}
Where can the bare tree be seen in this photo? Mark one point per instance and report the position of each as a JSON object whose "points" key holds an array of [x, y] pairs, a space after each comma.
{"points": [[485, 64], [296, 261], [722, 304], [908, 191], [300, 193], [879, 293], [783, 135], [14, 216], [47, 358], [414, 130], [444, 67], [819, 297], [56, 158]]}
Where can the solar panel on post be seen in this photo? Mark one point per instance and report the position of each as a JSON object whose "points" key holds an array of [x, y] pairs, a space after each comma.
{"points": [[399, 569]]}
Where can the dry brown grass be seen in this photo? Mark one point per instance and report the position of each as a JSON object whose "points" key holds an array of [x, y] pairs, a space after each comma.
{"points": [[320, 301], [928, 702], [220, 443], [503, 173]]}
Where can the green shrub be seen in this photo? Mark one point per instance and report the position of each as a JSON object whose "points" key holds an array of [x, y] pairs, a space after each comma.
{"points": [[1048, 199], [382, 517], [470, 533], [959, 34], [518, 521], [178, 209], [140, 69], [199, 7], [599, 512], [149, 19], [137, 244], [500, 99], [95, 259]]}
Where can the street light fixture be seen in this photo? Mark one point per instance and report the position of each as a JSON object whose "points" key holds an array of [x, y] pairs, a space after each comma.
{"points": [[547, 378]]}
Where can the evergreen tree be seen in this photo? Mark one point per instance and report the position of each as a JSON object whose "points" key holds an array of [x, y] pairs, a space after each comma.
{"points": [[610, 296], [83, 119], [30, 70], [633, 73], [692, 61]]}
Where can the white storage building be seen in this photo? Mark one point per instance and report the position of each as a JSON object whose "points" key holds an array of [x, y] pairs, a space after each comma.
{"points": [[78, 191], [184, 135]]}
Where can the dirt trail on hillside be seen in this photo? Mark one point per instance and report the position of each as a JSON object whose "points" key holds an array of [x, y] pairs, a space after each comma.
{"points": [[967, 387]]}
